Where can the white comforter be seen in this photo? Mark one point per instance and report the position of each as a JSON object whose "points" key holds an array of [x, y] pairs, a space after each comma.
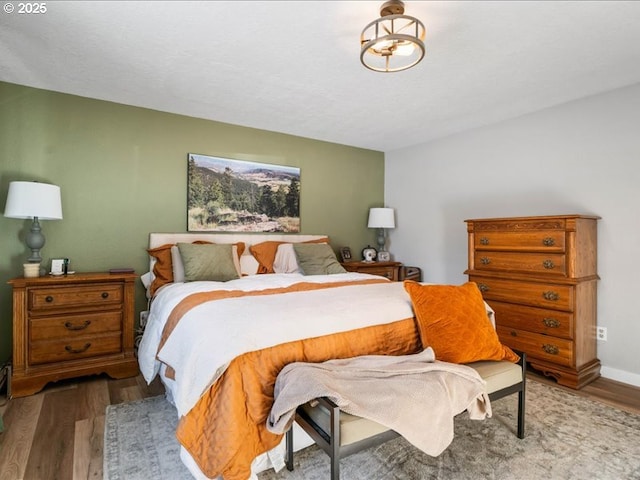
{"points": [[214, 333]]}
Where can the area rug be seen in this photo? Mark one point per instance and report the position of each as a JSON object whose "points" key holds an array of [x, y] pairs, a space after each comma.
{"points": [[567, 437]]}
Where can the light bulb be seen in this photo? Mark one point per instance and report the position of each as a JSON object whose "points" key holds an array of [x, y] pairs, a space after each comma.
{"points": [[405, 49]]}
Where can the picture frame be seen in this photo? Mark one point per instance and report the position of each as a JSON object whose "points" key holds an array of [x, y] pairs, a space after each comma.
{"points": [[57, 265], [230, 195], [345, 254]]}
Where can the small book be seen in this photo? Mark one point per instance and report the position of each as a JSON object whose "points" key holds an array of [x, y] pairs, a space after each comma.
{"points": [[121, 270]]}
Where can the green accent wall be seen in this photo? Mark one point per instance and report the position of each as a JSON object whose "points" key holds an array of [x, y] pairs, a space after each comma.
{"points": [[122, 171]]}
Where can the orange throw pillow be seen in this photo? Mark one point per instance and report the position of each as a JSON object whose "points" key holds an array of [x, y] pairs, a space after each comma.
{"points": [[453, 321], [265, 253], [163, 268]]}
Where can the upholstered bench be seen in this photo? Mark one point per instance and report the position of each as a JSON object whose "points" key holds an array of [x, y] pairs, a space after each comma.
{"points": [[340, 434]]}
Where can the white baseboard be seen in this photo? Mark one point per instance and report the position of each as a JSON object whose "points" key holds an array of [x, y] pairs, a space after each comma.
{"points": [[620, 376]]}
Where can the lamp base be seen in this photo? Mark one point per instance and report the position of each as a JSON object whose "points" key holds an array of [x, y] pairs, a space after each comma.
{"points": [[381, 239], [35, 241]]}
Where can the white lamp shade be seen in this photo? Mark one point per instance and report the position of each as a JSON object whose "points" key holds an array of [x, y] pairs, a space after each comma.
{"points": [[33, 199], [381, 218]]}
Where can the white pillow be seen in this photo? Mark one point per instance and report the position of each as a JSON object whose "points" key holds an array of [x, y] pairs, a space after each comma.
{"points": [[248, 264], [178, 266], [286, 261]]}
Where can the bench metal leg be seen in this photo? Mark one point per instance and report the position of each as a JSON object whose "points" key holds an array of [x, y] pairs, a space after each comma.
{"points": [[289, 443], [521, 396], [335, 443]]}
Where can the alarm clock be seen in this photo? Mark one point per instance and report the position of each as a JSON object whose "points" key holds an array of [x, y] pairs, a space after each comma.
{"points": [[384, 256], [369, 254]]}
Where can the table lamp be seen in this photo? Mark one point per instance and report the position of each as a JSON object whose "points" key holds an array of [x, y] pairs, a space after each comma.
{"points": [[40, 201], [381, 218]]}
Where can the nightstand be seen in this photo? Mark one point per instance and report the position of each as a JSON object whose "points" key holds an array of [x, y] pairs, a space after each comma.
{"points": [[70, 326], [390, 270], [410, 273]]}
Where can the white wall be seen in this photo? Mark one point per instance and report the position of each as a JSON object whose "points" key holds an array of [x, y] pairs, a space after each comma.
{"points": [[580, 157]]}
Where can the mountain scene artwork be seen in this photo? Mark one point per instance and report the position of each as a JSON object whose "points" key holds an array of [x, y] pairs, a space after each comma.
{"points": [[241, 196]]}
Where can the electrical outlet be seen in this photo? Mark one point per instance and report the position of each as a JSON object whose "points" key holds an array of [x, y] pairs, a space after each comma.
{"points": [[601, 334]]}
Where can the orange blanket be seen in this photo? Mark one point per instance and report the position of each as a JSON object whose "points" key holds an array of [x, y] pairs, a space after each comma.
{"points": [[226, 429]]}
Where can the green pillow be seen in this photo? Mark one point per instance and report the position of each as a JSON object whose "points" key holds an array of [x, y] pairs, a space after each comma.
{"points": [[317, 259], [207, 262]]}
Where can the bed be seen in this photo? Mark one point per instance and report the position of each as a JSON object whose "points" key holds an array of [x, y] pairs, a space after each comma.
{"points": [[218, 346]]}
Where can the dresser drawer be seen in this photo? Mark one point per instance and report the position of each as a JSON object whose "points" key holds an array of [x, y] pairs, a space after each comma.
{"points": [[535, 345], [75, 296], [72, 349], [73, 326], [535, 320], [545, 295], [546, 240], [537, 263]]}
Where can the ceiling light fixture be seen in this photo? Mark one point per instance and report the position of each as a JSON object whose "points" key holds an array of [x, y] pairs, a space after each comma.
{"points": [[393, 42]]}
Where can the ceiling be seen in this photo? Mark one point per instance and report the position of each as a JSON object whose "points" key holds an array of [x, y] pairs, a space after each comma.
{"points": [[293, 66]]}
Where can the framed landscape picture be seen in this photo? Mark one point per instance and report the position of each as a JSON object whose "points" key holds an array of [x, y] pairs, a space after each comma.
{"points": [[230, 195]]}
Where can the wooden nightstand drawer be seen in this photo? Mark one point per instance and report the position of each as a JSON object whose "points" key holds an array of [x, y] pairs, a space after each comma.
{"points": [[75, 296], [73, 326], [390, 270], [72, 349]]}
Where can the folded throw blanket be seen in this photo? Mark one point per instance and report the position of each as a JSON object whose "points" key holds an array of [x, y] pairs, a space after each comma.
{"points": [[415, 395]]}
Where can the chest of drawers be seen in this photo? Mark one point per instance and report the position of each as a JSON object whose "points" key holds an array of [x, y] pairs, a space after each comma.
{"points": [[70, 326], [539, 275]]}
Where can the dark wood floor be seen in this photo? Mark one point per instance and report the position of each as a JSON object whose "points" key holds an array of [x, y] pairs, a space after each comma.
{"points": [[57, 434], [617, 394]]}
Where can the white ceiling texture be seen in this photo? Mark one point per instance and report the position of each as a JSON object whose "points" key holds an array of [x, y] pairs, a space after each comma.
{"points": [[293, 66]]}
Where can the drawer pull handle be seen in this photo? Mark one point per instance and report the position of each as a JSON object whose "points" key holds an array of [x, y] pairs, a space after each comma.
{"points": [[514, 333], [71, 326], [49, 299], [551, 296], [548, 242], [548, 264], [483, 287], [105, 295], [485, 260], [484, 241], [550, 349], [550, 322], [70, 349]]}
